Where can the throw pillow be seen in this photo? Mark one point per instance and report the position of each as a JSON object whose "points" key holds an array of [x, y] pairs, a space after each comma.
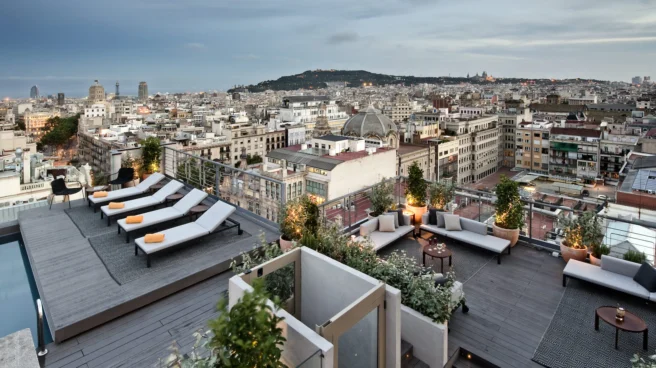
{"points": [[432, 216], [386, 223], [396, 218], [440, 219], [646, 277], [452, 222], [399, 214]]}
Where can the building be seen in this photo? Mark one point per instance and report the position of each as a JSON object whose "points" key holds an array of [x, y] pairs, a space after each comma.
{"points": [[61, 99], [246, 138], [610, 107], [636, 80], [143, 91], [374, 127], [295, 134], [532, 146], [574, 154], [321, 127], [422, 154], [478, 145], [35, 122], [34, 92], [447, 158], [96, 93], [553, 99], [508, 121], [96, 110], [614, 150], [305, 109], [401, 109], [275, 139]]}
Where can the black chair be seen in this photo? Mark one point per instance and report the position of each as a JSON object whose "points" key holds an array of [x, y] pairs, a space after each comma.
{"points": [[125, 175], [59, 188]]}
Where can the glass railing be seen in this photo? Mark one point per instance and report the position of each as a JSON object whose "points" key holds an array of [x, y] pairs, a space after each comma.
{"points": [[624, 228], [313, 361], [248, 189]]}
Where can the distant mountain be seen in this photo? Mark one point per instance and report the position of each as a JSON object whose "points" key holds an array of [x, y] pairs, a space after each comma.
{"points": [[315, 79]]}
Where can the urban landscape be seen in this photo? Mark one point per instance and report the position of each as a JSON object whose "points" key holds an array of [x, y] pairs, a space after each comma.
{"points": [[416, 217]]}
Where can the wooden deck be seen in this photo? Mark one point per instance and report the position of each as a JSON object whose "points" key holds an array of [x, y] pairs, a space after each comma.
{"points": [[78, 292], [511, 307]]}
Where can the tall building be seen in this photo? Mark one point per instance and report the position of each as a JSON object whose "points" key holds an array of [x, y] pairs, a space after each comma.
{"points": [[322, 127], [34, 92], [636, 80], [96, 92], [533, 146], [143, 91], [574, 154], [60, 99], [117, 91]]}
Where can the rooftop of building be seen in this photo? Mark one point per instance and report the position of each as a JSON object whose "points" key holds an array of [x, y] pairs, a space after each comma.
{"points": [[580, 132], [294, 99], [319, 158], [562, 108], [333, 138]]}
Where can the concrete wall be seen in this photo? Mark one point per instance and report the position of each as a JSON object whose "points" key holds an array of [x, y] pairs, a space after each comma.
{"points": [[429, 339]]}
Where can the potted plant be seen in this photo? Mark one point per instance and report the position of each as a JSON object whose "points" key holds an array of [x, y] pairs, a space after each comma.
{"points": [[415, 192], [150, 156], [509, 212], [596, 251], [580, 233], [381, 198], [634, 256], [292, 220], [135, 164], [440, 195]]}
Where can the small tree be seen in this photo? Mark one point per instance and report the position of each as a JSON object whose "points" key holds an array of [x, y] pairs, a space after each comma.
{"points": [[381, 197], [440, 195], [130, 162], [292, 219], [416, 189], [582, 231], [509, 209], [151, 155]]}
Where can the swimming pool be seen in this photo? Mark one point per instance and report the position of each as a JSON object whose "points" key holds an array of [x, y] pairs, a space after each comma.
{"points": [[18, 292]]}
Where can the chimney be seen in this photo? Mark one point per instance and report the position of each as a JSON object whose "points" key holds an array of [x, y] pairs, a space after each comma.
{"points": [[283, 171]]}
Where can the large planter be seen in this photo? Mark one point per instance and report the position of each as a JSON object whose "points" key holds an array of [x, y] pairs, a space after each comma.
{"points": [[418, 211], [594, 260], [286, 245], [508, 234], [571, 253]]}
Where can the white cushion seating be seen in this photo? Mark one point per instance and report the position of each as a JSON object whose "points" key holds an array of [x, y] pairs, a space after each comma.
{"points": [[473, 232], [139, 203], [180, 209], [617, 274], [381, 239], [129, 192]]}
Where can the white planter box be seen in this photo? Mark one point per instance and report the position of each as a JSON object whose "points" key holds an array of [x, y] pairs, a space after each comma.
{"points": [[429, 339]]}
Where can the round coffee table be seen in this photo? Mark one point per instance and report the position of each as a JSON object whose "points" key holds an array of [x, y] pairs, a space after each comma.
{"points": [[631, 323], [197, 210], [173, 197], [433, 252]]}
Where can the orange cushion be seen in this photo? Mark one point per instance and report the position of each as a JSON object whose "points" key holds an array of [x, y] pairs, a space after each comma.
{"points": [[100, 194], [154, 238], [116, 205], [134, 219]]}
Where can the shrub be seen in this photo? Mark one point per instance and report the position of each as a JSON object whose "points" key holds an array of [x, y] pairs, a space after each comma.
{"points": [[600, 249], [247, 335], [509, 210], [416, 190], [292, 219], [583, 231], [381, 197], [634, 256], [440, 195]]}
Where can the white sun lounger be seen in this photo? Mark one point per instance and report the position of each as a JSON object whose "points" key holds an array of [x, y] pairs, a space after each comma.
{"points": [[125, 193], [165, 214], [206, 224], [144, 202]]}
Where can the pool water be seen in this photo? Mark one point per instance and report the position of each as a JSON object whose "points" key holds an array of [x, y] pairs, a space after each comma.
{"points": [[18, 292]]}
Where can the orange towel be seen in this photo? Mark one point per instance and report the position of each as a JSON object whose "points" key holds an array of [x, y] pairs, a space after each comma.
{"points": [[134, 219], [116, 205], [99, 194], [154, 238]]}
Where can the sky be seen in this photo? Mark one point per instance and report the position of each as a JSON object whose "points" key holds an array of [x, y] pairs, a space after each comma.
{"points": [[203, 45]]}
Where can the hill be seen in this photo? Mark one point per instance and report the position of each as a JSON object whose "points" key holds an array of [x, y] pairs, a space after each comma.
{"points": [[316, 79]]}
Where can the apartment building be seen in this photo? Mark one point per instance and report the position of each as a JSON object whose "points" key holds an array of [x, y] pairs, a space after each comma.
{"points": [[478, 145], [508, 122], [401, 109], [574, 154], [614, 150], [251, 137], [447, 158], [305, 109], [36, 121], [275, 139], [532, 146], [422, 154]]}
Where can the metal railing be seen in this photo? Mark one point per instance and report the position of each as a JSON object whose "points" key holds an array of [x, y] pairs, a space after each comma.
{"points": [[542, 211], [248, 189], [41, 349]]}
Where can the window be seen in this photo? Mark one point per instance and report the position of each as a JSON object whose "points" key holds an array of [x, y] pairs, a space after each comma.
{"points": [[316, 188]]}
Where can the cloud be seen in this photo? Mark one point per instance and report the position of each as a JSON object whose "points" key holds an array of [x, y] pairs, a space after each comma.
{"points": [[196, 46], [343, 37], [246, 57], [46, 78]]}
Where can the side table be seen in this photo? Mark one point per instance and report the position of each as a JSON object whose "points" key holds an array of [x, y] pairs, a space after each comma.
{"points": [[197, 211], [172, 198]]}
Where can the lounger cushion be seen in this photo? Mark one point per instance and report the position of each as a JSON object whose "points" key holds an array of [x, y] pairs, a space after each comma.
{"points": [[619, 266], [173, 236], [153, 179], [170, 188], [190, 200], [152, 218], [600, 276], [132, 205], [116, 194], [215, 216]]}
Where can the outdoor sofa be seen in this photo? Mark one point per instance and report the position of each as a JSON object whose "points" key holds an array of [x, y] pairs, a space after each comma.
{"points": [[473, 232], [381, 239], [614, 273]]}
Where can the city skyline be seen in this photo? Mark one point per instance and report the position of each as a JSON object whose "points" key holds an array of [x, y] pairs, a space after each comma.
{"points": [[214, 46]]}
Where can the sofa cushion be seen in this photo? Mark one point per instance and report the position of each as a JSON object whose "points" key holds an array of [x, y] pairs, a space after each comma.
{"points": [[386, 223], [432, 216], [473, 226], [619, 266], [400, 217], [434, 229], [381, 239], [599, 276], [369, 227], [395, 216], [488, 242], [646, 276], [452, 222], [407, 220]]}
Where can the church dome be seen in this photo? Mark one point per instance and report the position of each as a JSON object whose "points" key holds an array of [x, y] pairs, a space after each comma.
{"points": [[369, 123]]}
